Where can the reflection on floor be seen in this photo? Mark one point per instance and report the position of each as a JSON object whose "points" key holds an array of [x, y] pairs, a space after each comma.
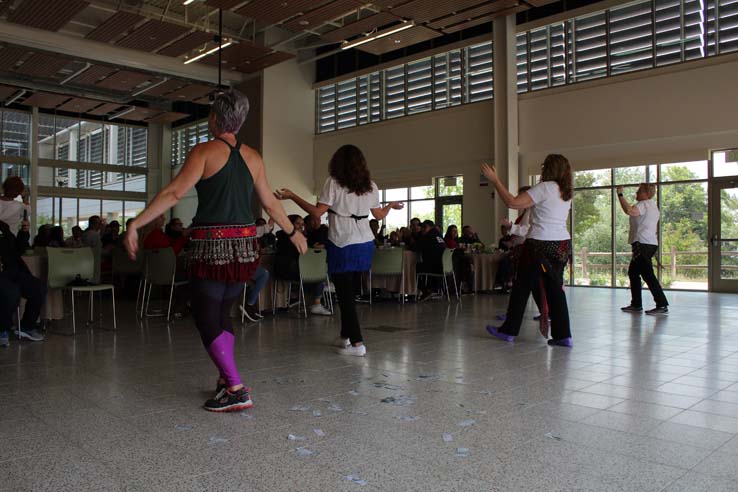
{"points": [[639, 404]]}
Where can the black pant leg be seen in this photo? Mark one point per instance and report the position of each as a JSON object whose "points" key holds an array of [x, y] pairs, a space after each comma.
{"points": [[9, 300], [635, 282], [553, 282], [645, 267], [33, 291], [345, 288], [524, 281]]}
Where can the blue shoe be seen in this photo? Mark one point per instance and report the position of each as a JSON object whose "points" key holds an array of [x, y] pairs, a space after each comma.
{"points": [[497, 334], [501, 317], [4, 339], [563, 342]]}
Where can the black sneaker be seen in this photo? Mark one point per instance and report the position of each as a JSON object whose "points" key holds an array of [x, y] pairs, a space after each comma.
{"points": [[230, 402], [250, 312], [658, 311], [631, 309], [219, 388]]}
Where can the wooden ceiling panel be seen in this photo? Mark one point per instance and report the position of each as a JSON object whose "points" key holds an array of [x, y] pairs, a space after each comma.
{"points": [[141, 114], [366, 24], [105, 109], [93, 74], [114, 26], [124, 80], [186, 44], [41, 15], [45, 100], [273, 11], [409, 37], [540, 3], [389, 4], [428, 10], [6, 91], [168, 117], [165, 88], [223, 4], [237, 54], [190, 92], [43, 65], [152, 35], [485, 19], [317, 17], [262, 63], [473, 13], [79, 105], [10, 56]]}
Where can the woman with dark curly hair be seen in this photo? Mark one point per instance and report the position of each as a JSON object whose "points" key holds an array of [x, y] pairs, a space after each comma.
{"points": [[546, 248], [348, 196]]}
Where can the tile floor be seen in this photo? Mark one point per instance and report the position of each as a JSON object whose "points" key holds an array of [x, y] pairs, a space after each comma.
{"points": [[639, 404]]}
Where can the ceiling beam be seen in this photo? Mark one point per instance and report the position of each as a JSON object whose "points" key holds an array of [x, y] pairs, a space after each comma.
{"points": [[84, 49]]}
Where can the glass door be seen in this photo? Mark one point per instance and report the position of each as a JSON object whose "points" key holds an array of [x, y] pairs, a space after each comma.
{"points": [[724, 225], [449, 212]]}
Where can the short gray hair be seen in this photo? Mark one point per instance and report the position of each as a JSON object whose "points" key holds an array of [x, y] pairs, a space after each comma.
{"points": [[230, 109]]}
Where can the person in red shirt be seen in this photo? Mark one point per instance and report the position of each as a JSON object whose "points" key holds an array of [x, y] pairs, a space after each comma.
{"points": [[158, 239]]}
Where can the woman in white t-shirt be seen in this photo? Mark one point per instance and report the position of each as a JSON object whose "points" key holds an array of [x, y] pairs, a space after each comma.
{"points": [[12, 212], [546, 250], [349, 196]]}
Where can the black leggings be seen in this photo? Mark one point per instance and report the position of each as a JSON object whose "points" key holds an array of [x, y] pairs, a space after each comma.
{"points": [[642, 267], [346, 286], [211, 304], [15, 284]]}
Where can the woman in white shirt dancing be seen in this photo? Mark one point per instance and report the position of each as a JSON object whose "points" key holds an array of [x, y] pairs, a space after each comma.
{"points": [[349, 196], [546, 249]]}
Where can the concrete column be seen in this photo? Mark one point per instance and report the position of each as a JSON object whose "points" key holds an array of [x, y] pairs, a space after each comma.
{"points": [[506, 110]]}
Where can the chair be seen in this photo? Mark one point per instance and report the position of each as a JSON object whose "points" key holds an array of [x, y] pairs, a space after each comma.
{"points": [[65, 264], [448, 269], [124, 265], [160, 269], [388, 262], [313, 269]]}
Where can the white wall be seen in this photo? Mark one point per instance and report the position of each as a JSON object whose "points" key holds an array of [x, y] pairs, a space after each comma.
{"points": [[663, 115], [668, 114], [410, 151], [288, 129]]}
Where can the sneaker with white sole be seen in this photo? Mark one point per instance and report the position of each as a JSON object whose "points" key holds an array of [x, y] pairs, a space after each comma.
{"points": [[341, 342], [319, 310], [33, 335], [4, 339], [227, 401], [250, 313], [359, 351], [658, 311]]}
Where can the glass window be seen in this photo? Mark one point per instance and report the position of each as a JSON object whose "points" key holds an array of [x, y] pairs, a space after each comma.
{"points": [[539, 58], [588, 179], [451, 186], [423, 209], [88, 208], [112, 210], [592, 241], [521, 42], [65, 214], [347, 99], [11, 169], [683, 171], [557, 51], [455, 69], [631, 37], [397, 219], [630, 175], [395, 195], [363, 100], [184, 138], [326, 116], [419, 86], [132, 209], [669, 39], [725, 163], [479, 72], [394, 86], [590, 54], [16, 133], [44, 210], [420, 192]]}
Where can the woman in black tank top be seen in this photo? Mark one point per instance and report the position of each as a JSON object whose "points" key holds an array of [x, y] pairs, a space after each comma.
{"points": [[223, 254]]}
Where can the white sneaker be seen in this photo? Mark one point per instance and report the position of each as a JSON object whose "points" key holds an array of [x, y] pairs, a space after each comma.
{"points": [[320, 310], [359, 351], [341, 342]]}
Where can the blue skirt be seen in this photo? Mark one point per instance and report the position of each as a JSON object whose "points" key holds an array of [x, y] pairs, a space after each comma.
{"points": [[351, 258]]}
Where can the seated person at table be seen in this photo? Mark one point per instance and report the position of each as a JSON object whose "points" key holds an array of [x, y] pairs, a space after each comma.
{"points": [[258, 280], [75, 241], [16, 282], [452, 236], [43, 236], [394, 239], [287, 266], [13, 212], [378, 231], [468, 236], [506, 239], [430, 246], [315, 232], [175, 228], [462, 263], [56, 237], [264, 233], [91, 238], [157, 239], [111, 235]]}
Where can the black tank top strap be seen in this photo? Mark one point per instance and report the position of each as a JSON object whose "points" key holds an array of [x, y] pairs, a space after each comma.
{"points": [[232, 147]]}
